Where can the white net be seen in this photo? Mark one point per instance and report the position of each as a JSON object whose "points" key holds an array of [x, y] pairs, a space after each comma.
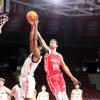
{"points": [[3, 20]]}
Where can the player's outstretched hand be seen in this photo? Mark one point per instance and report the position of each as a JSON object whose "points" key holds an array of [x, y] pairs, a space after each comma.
{"points": [[74, 80]]}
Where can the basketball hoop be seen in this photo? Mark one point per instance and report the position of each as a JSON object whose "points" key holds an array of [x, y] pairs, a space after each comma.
{"points": [[3, 20]]}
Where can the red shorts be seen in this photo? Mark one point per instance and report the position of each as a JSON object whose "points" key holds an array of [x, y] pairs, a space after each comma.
{"points": [[56, 83]]}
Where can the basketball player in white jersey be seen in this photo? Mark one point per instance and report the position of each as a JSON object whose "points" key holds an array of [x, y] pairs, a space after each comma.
{"points": [[76, 93], [4, 91], [30, 65], [43, 95]]}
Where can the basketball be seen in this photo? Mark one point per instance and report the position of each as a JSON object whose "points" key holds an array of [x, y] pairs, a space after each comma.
{"points": [[31, 15]]}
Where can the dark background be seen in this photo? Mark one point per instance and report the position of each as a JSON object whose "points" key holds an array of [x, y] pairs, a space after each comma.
{"points": [[78, 37]]}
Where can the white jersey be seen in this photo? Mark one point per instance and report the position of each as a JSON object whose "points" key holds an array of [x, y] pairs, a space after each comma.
{"points": [[29, 67], [27, 79], [77, 94], [18, 93], [3, 95], [43, 96]]}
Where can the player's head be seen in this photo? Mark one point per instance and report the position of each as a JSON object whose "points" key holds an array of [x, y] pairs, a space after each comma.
{"points": [[2, 81], [53, 43], [77, 86], [42, 50], [43, 88]]}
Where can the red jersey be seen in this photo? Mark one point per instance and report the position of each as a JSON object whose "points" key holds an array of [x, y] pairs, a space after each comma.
{"points": [[52, 64]]}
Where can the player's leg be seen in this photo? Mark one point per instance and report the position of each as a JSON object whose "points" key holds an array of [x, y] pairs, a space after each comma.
{"points": [[64, 95], [55, 87], [58, 96], [63, 88], [61, 95]]}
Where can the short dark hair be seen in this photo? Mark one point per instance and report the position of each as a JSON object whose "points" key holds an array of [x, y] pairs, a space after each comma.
{"points": [[79, 83], [54, 40]]}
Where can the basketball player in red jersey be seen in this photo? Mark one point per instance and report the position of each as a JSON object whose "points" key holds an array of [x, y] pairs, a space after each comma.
{"points": [[53, 60], [27, 72]]}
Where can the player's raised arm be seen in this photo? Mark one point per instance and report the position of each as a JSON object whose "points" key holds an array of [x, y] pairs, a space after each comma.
{"points": [[36, 50], [31, 18], [41, 40]]}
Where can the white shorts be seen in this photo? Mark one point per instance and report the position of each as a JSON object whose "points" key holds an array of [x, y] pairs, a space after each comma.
{"points": [[28, 86]]}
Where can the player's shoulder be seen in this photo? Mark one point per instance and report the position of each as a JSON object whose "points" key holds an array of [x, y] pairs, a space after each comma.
{"points": [[5, 88], [80, 90], [58, 53], [28, 59], [73, 90], [40, 93], [47, 93]]}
